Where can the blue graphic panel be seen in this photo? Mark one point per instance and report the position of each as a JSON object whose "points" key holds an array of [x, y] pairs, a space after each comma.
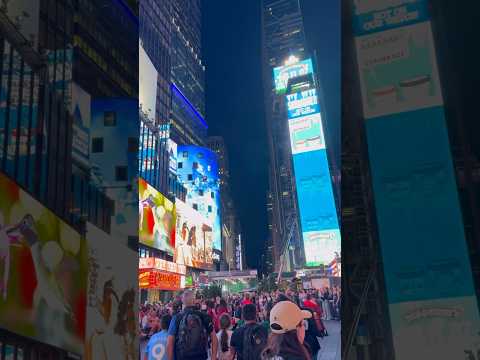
{"points": [[302, 103], [419, 218], [282, 74]]}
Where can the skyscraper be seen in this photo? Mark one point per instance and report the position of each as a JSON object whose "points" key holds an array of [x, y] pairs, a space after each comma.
{"points": [[282, 36]]}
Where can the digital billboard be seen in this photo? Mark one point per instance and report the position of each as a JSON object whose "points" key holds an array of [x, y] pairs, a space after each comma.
{"points": [[431, 294], [81, 110], [282, 74], [306, 133], [194, 241], [302, 103], [44, 270], [156, 218], [147, 84], [198, 172], [111, 331], [172, 156]]}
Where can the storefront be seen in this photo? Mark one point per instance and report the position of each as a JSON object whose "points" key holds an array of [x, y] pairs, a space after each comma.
{"points": [[160, 279]]}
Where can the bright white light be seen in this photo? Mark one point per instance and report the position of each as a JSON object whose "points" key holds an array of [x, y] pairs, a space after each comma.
{"points": [[291, 60]]}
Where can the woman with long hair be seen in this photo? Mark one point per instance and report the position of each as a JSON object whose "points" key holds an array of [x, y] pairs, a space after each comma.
{"points": [[224, 336], [286, 340]]}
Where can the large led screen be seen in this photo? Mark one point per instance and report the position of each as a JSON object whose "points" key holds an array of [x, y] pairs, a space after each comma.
{"points": [[43, 272], [147, 84], [302, 103], [157, 218], [197, 171], [194, 242], [306, 134], [282, 74], [112, 301]]}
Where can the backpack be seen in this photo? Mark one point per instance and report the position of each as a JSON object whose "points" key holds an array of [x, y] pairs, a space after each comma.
{"points": [[192, 339], [254, 341]]}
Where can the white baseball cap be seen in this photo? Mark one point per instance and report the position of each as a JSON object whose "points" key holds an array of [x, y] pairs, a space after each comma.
{"points": [[285, 316]]}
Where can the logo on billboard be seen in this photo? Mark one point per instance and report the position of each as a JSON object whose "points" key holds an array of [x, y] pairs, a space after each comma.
{"points": [[282, 74]]}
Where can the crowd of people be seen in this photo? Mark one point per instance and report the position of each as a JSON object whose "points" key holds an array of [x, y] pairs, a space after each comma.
{"points": [[250, 326]]}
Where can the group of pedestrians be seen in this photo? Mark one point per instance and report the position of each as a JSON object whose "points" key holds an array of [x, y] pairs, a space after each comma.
{"points": [[266, 326]]}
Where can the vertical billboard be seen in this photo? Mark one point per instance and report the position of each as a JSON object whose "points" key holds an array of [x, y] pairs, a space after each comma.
{"points": [[194, 241], [156, 218], [147, 84], [197, 171], [112, 301], [432, 303], [318, 214], [43, 266], [81, 111], [282, 74]]}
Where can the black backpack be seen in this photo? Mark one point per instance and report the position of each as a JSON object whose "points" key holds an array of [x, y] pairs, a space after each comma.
{"points": [[254, 341], [192, 339]]}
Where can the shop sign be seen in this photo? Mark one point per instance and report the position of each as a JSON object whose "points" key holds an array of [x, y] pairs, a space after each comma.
{"points": [[162, 265], [154, 279]]}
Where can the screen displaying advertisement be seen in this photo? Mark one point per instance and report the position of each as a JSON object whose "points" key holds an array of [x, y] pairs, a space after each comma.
{"points": [[302, 103], [198, 173], [318, 214], [306, 134], [147, 84], [81, 110], [398, 70], [194, 241], [148, 156], [157, 218], [282, 74], [44, 270], [172, 156], [111, 331]]}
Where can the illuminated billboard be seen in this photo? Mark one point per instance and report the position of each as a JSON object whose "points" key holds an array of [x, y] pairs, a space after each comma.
{"points": [[147, 84], [282, 74], [198, 173], [302, 103], [172, 156], [111, 298], [157, 218], [194, 241], [44, 272], [306, 134]]}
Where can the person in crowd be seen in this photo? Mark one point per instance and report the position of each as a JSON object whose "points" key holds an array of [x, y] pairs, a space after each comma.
{"points": [[224, 336], [189, 332], [249, 340], [156, 348], [246, 299], [287, 325]]}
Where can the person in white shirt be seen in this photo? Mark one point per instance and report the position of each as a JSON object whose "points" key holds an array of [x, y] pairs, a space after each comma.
{"points": [[224, 336]]}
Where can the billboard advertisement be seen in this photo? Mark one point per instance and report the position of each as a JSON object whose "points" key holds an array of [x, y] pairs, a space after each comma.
{"points": [[43, 268], [172, 156], [81, 110], [282, 74], [157, 218], [431, 295], [111, 330], [198, 173], [194, 241], [302, 103], [306, 133], [147, 84]]}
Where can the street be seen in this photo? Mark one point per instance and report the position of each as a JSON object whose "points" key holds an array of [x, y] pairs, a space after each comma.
{"points": [[331, 345]]}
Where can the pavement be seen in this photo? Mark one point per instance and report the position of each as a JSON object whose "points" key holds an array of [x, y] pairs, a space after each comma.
{"points": [[332, 344]]}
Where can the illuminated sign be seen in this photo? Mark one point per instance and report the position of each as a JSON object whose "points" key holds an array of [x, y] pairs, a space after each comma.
{"points": [[161, 264], [157, 218], [306, 134], [282, 74], [172, 156], [154, 279], [302, 103]]}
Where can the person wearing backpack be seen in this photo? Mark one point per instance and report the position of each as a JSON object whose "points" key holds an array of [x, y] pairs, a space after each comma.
{"points": [[189, 333], [249, 340]]}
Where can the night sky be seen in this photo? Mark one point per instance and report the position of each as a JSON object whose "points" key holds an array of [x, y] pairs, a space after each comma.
{"points": [[234, 97]]}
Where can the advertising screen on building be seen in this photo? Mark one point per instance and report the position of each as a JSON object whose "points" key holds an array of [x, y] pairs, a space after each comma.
{"points": [[194, 242], [111, 298], [282, 74], [157, 218], [147, 84], [198, 173], [81, 110], [306, 134], [44, 272], [302, 103], [172, 156]]}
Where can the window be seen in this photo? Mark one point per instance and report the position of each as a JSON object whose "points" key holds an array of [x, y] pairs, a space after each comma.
{"points": [[132, 145], [212, 195], [190, 177], [209, 208], [121, 173], [97, 145], [200, 192], [109, 118], [195, 206], [180, 165]]}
